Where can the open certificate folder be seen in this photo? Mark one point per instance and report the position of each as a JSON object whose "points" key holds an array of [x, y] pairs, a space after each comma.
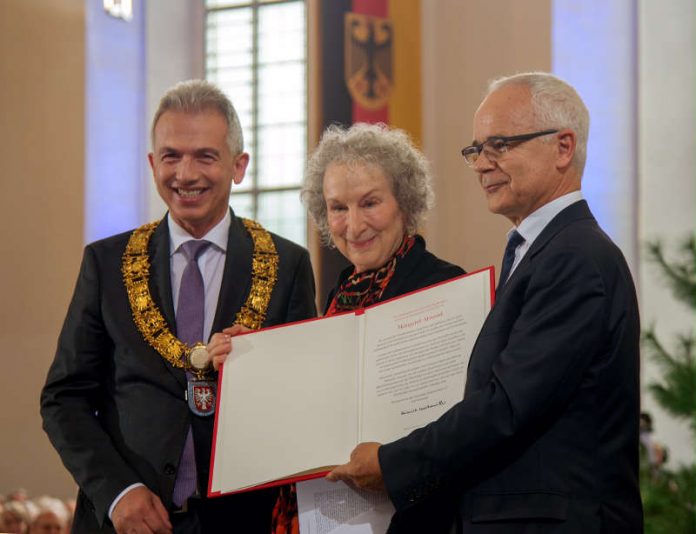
{"points": [[295, 400]]}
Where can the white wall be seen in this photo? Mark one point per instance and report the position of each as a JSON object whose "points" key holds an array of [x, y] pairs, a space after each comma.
{"points": [[114, 101], [594, 49], [667, 178]]}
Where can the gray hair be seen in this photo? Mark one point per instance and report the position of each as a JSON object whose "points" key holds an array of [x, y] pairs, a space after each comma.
{"points": [[195, 96], [390, 149], [17, 509], [46, 504], [556, 105]]}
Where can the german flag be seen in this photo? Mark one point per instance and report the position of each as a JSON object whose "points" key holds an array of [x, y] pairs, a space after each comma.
{"points": [[370, 63]]}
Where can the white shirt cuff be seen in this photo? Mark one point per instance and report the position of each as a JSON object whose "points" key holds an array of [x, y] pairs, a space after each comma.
{"points": [[120, 496]]}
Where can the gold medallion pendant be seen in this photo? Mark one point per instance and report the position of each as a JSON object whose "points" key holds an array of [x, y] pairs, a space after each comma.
{"points": [[135, 268]]}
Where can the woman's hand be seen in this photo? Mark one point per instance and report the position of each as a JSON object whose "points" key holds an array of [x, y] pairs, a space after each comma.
{"points": [[220, 344]]}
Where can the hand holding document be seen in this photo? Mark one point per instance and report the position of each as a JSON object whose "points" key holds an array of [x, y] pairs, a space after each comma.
{"points": [[295, 400]]}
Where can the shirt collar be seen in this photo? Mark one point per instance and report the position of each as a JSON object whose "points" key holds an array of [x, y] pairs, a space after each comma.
{"points": [[533, 224], [217, 235]]}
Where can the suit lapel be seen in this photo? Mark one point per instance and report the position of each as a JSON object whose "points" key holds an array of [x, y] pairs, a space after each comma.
{"points": [[236, 278], [160, 273], [578, 210], [574, 212], [161, 285]]}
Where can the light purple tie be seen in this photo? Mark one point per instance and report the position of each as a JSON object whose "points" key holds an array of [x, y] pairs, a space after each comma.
{"points": [[190, 312]]}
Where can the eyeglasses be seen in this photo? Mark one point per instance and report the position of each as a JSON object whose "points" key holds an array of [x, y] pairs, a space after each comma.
{"points": [[495, 147]]}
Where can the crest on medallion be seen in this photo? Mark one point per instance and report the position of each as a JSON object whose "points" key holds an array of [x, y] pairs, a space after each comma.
{"points": [[201, 395], [368, 59]]}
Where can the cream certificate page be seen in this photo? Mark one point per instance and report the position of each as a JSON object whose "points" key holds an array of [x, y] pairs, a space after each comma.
{"points": [[287, 402], [416, 354]]}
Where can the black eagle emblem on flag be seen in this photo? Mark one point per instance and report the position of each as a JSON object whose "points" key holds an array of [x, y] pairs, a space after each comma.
{"points": [[368, 59]]}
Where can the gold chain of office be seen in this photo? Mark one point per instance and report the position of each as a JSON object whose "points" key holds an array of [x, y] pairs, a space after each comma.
{"points": [[147, 316]]}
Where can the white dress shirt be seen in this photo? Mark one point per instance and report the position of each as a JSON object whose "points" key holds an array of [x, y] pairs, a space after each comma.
{"points": [[534, 223]]}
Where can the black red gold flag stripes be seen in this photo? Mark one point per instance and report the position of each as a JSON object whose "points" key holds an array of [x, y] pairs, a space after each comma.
{"points": [[370, 64]]}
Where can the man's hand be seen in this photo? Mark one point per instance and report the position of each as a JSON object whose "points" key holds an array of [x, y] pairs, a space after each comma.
{"points": [[141, 511], [220, 344], [363, 470]]}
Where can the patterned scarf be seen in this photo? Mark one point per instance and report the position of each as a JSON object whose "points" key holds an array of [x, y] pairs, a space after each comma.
{"points": [[360, 290]]}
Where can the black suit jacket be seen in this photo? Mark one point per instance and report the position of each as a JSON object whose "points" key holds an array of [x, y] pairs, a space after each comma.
{"points": [[112, 406], [546, 437]]}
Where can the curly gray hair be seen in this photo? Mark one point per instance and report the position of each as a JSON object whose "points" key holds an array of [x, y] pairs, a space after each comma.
{"points": [[390, 149], [194, 96]]}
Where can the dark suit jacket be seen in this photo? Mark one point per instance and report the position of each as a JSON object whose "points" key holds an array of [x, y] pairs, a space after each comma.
{"points": [[112, 406], [546, 437]]}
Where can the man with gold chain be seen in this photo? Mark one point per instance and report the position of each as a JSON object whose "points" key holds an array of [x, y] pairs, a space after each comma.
{"points": [[129, 398]]}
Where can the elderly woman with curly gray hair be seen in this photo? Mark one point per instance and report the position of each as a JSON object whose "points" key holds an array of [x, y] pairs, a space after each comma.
{"points": [[368, 189]]}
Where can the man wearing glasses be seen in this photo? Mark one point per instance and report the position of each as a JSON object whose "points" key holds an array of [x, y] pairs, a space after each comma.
{"points": [[546, 437]]}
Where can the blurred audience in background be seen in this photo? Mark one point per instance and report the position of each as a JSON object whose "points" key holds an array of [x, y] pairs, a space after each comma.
{"points": [[20, 514]]}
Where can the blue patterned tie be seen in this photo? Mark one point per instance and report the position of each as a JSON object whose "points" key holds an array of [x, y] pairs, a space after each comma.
{"points": [[190, 313], [514, 241]]}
